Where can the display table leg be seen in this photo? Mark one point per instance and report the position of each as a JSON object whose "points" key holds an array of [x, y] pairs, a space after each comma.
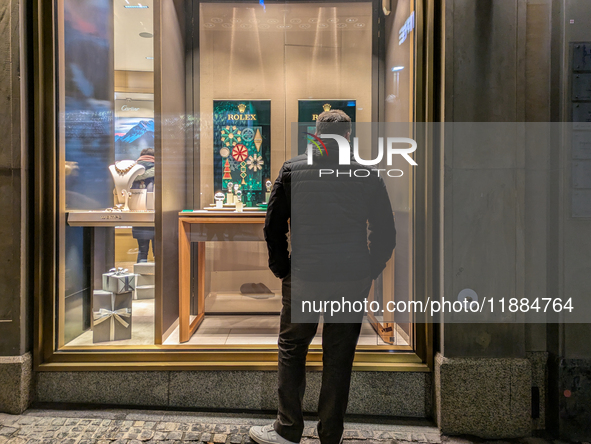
{"points": [[184, 281], [188, 326]]}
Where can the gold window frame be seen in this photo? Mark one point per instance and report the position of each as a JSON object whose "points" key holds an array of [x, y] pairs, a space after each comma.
{"points": [[46, 218]]}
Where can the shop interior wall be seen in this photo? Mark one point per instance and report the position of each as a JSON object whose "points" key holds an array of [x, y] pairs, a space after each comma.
{"points": [[170, 154], [127, 81], [283, 66]]}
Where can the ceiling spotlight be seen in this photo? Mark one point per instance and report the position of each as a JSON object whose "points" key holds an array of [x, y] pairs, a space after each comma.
{"points": [[149, 58], [146, 35], [135, 6], [397, 68]]}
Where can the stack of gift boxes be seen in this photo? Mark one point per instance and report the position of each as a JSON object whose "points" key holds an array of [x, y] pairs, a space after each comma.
{"points": [[111, 306]]}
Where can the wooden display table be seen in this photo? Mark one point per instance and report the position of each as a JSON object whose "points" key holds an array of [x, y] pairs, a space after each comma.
{"points": [[200, 226]]}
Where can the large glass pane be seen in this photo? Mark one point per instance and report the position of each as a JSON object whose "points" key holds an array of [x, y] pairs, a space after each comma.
{"points": [[106, 173], [223, 119], [294, 60], [396, 283]]}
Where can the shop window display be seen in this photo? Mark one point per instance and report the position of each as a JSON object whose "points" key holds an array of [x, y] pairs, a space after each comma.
{"points": [[109, 128], [241, 150], [256, 71]]}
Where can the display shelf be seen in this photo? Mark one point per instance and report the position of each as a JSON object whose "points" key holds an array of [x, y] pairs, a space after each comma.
{"points": [[110, 218], [251, 212]]}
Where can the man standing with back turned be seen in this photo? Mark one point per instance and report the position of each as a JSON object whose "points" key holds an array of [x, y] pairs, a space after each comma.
{"points": [[342, 234]]}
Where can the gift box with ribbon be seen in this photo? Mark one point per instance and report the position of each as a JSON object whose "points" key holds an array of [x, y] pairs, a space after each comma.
{"points": [[118, 280], [111, 316]]}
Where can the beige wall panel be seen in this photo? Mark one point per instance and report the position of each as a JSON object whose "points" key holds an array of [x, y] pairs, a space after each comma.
{"points": [[171, 177], [134, 81], [281, 65], [232, 68]]}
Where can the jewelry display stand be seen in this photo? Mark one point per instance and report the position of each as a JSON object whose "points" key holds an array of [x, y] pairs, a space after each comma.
{"points": [[133, 207], [150, 200], [137, 200], [124, 174]]}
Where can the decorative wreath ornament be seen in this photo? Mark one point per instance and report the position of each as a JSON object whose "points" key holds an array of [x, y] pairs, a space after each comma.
{"points": [[231, 135], [239, 152], [255, 163], [248, 134]]}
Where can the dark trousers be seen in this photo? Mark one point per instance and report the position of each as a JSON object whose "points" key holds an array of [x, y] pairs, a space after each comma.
{"points": [[339, 341], [143, 249]]}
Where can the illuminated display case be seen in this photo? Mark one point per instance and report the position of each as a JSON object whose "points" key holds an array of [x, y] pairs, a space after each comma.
{"points": [[173, 120]]}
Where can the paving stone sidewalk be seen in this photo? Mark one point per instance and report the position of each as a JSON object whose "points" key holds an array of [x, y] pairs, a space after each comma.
{"points": [[117, 426], [112, 426], [106, 426]]}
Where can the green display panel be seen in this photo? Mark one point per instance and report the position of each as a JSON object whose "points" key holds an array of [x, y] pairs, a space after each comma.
{"points": [[308, 111], [242, 147]]}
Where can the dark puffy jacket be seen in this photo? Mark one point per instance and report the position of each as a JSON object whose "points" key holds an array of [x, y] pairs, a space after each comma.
{"points": [[341, 228]]}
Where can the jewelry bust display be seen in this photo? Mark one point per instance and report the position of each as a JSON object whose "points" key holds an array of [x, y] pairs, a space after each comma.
{"points": [[124, 166], [124, 173]]}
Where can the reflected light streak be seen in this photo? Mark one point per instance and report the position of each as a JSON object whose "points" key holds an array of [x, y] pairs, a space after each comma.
{"points": [[317, 54], [232, 36], [233, 44], [336, 53], [257, 36]]}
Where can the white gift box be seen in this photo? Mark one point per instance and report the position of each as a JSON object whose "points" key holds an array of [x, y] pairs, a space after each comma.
{"points": [[118, 281]]}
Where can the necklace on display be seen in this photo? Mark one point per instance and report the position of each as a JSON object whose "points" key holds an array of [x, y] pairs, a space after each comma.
{"points": [[124, 171]]}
